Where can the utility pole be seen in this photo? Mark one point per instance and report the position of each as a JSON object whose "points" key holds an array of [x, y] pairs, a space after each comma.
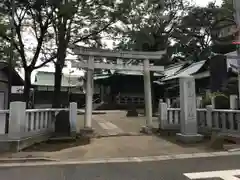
{"points": [[236, 5], [11, 56], [11, 52], [69, 84]]}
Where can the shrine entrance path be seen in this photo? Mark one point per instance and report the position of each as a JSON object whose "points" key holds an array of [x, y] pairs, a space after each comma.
{"points": [[116, 124]]}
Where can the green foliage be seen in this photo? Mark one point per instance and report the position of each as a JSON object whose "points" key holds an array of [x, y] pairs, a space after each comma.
{"points": [[194, 30], [4, 44], [152, 27], [216, 95]]}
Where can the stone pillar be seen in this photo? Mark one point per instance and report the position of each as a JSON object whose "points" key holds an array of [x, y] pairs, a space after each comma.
{"points": [[199, 101], [87, 129], [163, 116], [73, 118], [147, 98], [89, 94], [209, 116], [213, 102], [188, 121], [168, 101], [17, 117], [148, 94], [233, 101]]}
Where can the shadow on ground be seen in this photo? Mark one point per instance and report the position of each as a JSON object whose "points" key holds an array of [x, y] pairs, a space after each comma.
{"points": [[53, 145], [208, 143]]}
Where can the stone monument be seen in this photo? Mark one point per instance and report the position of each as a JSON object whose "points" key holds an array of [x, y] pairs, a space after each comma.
{"points": [[188, 122]]}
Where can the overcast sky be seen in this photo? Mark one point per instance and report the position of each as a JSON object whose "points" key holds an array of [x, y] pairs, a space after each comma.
{"points": [[205, 2]]}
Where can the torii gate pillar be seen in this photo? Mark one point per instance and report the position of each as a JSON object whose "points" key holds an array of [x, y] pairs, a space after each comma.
{"points": [[89, 94], [147, 94]]}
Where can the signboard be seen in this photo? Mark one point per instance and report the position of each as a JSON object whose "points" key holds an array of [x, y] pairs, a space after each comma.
{"points": [[17, 89], [120, 67], [79, 50], [237, 43]]}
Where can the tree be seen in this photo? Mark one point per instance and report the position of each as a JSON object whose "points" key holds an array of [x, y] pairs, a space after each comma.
{"points": [[155, 31], [151, 29], [225, 19], [198, 35], [5, 45], [193, 36], [33, 17], [188, 35], [85, 22]]}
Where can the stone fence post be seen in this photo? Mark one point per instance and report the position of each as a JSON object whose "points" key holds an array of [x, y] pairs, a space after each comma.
{"points": [[199, 101], [168, 101], [233, 101], [162, 117], [209, 116], [213, 102], [17, 117], [73, 118]]}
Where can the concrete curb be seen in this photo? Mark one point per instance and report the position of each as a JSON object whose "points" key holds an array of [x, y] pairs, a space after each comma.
{"points": [[118, 135], [26, 159], [122, 160]]}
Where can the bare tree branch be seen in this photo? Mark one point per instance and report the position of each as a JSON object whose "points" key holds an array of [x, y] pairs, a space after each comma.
{"points": [[34, 24], [94, 33], [43, 31], [54, 56], [21, 45]]}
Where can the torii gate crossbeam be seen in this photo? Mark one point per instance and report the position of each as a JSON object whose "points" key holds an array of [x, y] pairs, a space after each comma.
{"points": [[145, 68]]}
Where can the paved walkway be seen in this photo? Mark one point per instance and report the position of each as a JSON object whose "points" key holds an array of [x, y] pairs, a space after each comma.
{"points": [[205, 168], [116, 123], [125, 146]]}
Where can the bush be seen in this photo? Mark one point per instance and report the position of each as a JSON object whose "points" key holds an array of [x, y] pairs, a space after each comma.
{"points": [[221, 100]]}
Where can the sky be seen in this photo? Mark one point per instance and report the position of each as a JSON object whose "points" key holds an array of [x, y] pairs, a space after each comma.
{"points": [[205, 2]]}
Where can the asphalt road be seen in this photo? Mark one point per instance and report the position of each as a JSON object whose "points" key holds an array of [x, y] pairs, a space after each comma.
{"points": [[158, 170]]}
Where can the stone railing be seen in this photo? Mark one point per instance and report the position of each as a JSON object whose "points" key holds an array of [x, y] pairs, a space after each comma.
{"points": [[34, 121], [173, 115], [202, 118], [29, 126], [226, 121], [40, 119]]}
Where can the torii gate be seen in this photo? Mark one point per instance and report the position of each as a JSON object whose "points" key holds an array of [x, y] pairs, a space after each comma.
{"points": [[91, 65]]}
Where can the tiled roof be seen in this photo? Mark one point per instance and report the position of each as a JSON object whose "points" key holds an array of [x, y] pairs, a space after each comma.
{"points": [[170, 71], [189, 70]]}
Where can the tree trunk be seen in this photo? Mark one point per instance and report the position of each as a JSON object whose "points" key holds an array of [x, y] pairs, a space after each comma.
{"points": [[57, 86], [63, 39], [58, 74], [27, 86]]}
